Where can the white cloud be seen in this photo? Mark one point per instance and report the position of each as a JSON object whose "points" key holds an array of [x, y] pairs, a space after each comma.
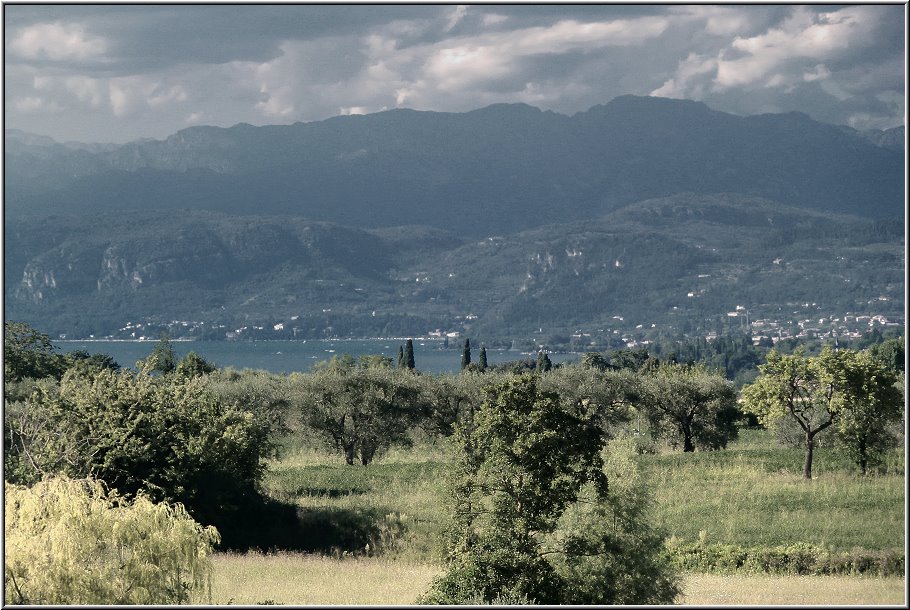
{"points": [[689, 80], [803, 36], [36, 105], [468, 61], [57, 42], [457, 15]]}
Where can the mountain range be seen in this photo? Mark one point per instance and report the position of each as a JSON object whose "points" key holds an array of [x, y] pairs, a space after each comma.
{"points": [[498, 221]]}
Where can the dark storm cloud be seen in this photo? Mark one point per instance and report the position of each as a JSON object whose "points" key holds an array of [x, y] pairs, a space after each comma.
{"points": [[115, 72]]}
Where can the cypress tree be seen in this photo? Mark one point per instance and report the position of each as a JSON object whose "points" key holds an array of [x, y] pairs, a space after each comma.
{"points": [[466, 354], [483, 358], [543, 362], [409, 354], [400, 357]]}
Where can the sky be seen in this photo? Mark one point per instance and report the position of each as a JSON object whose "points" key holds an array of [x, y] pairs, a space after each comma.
{"points": [[115, 73]]}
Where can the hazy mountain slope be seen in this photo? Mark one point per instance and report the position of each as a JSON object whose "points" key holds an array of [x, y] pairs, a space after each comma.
{"points": [[495, 170], [638, 263]]}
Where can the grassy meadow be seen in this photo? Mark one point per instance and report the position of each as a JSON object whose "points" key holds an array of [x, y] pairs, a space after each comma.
{"points": [[377, 530]]}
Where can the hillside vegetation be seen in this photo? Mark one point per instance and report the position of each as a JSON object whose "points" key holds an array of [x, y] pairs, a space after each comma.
{"points": [[679, 263]]}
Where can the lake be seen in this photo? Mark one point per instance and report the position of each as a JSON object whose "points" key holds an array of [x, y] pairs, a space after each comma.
{"points": [[288, 356]]}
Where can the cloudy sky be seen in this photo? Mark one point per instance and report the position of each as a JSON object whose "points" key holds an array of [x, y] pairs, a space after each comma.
{"points": [[116, 73]]}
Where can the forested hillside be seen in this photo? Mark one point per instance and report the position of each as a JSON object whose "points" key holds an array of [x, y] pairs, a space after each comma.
{"points": [[679, 263]]}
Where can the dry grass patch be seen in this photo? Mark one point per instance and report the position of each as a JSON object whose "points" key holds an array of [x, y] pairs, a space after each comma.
{"points": [[298, 579], [763, 590]]}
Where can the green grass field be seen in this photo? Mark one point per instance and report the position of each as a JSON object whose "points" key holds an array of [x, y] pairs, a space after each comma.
{"points": [[379, 528], [753, 494], [750, 495]]}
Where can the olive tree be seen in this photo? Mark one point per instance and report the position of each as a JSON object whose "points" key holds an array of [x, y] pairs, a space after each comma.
{"points": [[871, 400], [70, 542], [813, 391], [689, 405], [359, 411]]}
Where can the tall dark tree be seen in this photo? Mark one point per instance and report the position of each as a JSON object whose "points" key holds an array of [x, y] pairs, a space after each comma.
{"points": [[533, 521], [544, 363], [400, 357], [409, 355], [482, 359], [522, 459], [163, 359], [466, 354]]}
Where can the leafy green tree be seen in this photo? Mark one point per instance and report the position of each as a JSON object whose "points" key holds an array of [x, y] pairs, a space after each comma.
{"points": [[169, 437], [194, 365], [544, 363], [602, 396], [802, 388], [92, 361], [409, 355], [375, 361], [466, 354], [162, 359], [890, 352], [29, 353], [359, 411], [522, 459], [263, 394], [482, 359], [872, 400], [451, 399], [634, 359], [607, 549], [595, 360], [69, 542], [689, 405], [31, 441]]}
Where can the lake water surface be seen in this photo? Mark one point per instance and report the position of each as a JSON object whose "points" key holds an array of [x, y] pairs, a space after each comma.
{"points": [[287, 356]]}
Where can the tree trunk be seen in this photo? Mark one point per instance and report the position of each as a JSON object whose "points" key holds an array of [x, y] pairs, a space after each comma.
{"points": [[349, 454], [807, 465], [688, 446]]}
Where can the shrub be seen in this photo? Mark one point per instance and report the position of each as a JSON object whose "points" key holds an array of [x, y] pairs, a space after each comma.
{"points": [[69, 542], [799, 559], [165, 436]]}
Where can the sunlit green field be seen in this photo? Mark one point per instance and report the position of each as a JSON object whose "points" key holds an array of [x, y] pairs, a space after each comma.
{"points": [[290, 578], [375, 532], [754, 495], [750, 495]]}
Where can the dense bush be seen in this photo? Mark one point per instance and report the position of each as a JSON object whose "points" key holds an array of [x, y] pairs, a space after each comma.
{"points": [[798, 559], [167, 436], [69, 542]]}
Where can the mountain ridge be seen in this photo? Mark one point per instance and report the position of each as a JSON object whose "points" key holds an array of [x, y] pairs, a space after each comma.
{"points": [[504, 167]]}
